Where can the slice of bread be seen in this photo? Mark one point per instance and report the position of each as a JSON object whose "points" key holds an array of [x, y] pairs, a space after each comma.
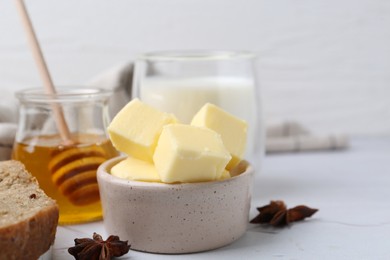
{"points": [[28, 217]]}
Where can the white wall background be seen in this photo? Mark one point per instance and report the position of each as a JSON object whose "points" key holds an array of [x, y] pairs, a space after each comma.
{"points": [[324, 63]]}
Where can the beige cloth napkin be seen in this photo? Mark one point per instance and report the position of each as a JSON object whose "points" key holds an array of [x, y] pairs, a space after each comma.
{"points": [[280, 137], [293, 137], [7, 135], [119, 80]]}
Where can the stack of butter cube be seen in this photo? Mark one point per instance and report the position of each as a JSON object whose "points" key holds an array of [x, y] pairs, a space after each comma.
{"points": [[161, 149]]}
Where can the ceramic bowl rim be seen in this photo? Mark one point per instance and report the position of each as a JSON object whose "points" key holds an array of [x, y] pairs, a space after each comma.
{"points": [[104, 175]]}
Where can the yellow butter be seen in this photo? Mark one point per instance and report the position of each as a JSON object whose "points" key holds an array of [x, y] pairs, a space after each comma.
{"points": [[225, 175], [134, 169], [187, 153], [232, 130], [136, 128]]}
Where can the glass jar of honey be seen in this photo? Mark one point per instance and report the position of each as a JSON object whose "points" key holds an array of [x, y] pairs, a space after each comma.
{"points": [[65, 169]]}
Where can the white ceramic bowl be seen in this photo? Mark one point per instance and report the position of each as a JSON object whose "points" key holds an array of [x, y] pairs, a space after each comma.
{"points": [[175, 218]]}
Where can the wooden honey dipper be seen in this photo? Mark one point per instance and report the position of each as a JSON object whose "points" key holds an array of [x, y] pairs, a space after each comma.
{"points": [[74, 173], [74, 168]]}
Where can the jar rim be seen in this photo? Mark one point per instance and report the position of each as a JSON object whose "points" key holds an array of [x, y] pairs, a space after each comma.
{"points": [[63, 94], [196, 55]]}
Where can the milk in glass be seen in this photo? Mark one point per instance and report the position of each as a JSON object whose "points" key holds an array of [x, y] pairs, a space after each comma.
{"points": [[185, 96]]}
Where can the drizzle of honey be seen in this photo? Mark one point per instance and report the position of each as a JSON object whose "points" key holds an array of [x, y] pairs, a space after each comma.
{"points": [[68, 173]]}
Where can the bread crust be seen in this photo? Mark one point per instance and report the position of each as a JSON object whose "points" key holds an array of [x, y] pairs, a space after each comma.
{"points": [[31, 235]]}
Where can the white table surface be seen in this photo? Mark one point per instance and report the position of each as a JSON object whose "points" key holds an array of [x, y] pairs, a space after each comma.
{"points": [[350, 188]]}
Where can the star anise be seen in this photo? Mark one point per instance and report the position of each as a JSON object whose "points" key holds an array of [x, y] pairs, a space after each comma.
{"points": [[267, 212], [277, 214], [97, 248]]}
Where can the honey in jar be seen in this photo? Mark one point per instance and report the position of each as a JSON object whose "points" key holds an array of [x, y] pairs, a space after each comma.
{"points": [[66, 171]]}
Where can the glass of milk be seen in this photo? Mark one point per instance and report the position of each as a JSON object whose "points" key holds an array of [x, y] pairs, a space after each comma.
{"points": [[182, 82]]}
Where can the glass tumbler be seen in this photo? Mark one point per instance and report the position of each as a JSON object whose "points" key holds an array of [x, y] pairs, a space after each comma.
{"points": [[65, 168], [182, 82]]}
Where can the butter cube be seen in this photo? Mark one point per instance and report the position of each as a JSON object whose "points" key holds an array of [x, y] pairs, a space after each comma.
{"points": [[225, 175], [136, 128], [232, 130], [136, 170], [187, 153]]}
